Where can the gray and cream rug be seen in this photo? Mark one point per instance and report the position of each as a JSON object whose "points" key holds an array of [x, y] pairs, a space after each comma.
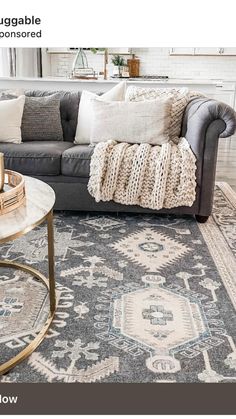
{"points": [[142, 298]]}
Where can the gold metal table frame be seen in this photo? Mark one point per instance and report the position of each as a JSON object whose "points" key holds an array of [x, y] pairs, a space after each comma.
{"points": [[49, 283]]}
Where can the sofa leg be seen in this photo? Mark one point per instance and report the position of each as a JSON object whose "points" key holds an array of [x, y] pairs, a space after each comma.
{"points": [[201, 218]]}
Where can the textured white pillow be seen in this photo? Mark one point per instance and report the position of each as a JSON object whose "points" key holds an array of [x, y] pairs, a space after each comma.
{"points": [[85, 116], [180, 98], [131, 122], [11, 112]]}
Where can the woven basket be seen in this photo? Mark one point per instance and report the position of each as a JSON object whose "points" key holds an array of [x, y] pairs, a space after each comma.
{"points": [[15, 196]]}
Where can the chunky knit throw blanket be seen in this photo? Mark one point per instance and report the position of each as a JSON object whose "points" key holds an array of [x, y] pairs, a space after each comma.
{"points": [[141, 174]]}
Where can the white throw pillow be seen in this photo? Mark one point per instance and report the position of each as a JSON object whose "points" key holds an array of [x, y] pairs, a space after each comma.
{"points": [[180, 98], [85, 115], [131, 122], [11, 112]]}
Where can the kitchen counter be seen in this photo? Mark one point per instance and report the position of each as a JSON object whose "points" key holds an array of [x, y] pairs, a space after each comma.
{"points": [[137, 80]]}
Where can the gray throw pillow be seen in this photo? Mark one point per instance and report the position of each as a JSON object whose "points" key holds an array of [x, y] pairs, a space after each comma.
{"points": [[41, 119]]}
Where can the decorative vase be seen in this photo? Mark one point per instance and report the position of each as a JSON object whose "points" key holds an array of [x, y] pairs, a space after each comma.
{"points": [[2, 175], [80, 60]]}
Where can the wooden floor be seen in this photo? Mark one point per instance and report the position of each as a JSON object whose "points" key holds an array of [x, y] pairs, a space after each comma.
{"points": [[226, 161]]}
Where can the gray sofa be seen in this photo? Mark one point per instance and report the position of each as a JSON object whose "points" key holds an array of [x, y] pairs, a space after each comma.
{"points": [[65, 166]]}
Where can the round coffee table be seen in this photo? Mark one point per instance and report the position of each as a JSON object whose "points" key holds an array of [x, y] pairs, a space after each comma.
{"points": [[40, 199]]}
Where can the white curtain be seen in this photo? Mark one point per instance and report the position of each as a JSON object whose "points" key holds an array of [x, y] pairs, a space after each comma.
{"points": [[20, 62], [5, 68]]}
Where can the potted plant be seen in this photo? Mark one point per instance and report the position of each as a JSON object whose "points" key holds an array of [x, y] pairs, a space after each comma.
{"points": [[118, 63]]}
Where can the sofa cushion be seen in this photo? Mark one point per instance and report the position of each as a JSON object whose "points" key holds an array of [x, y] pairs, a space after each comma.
{"points": [[35, 157], [76, 161]]}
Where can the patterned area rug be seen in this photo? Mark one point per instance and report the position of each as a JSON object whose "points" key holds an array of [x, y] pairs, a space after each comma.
{"points": [[142, 298]]}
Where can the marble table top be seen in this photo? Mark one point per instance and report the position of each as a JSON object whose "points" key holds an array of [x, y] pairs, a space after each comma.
{"points": [[40, 199]]}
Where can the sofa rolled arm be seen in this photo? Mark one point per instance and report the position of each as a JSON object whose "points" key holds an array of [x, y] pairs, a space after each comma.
{"points": [[204, 121], [203, 111]]}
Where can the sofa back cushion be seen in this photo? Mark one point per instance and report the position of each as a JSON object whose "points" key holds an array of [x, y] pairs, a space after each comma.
{"points": [[69, 105]]}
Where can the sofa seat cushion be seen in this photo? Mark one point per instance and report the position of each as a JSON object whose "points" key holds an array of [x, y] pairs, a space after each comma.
{"points": [[35, 157], [76, 161]]}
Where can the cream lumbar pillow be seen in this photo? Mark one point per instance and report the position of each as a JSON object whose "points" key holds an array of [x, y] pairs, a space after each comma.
{"points": [[85, 115], [131, 122], [11, 112], [180, 98]]}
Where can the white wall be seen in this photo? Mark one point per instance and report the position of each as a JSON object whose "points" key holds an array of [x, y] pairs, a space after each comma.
{"points": [[157, 61]]}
